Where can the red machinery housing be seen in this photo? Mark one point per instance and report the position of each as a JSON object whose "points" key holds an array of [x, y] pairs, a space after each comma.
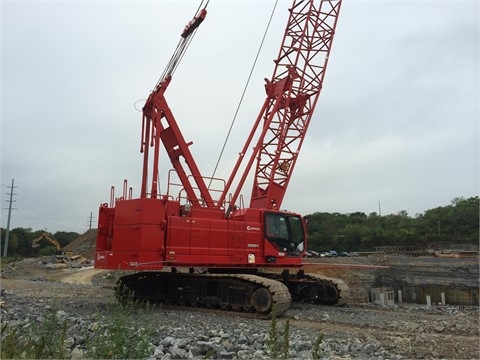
{"points": [[201, 227], [149, 234]]}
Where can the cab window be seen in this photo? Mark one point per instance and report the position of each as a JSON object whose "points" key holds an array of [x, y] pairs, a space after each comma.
{"points": [[285, 232]]}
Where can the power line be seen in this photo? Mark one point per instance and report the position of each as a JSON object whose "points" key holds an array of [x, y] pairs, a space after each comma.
{"points": [[10, 202], [90, 221], [35, 207]]}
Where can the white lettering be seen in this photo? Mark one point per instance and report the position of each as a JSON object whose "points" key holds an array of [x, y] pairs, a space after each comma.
{"points": [[253, 245], [253, 228]]}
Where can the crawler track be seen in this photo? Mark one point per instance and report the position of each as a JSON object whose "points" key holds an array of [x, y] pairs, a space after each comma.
{"points": [[256, 294], [312, 288], [238, 292], [343, 290]]}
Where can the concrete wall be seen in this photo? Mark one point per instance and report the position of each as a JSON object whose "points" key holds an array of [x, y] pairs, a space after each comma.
{"points": [[453, 295], [458, 279]]}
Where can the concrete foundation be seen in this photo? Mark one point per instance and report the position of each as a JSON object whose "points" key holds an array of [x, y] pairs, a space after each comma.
{"points": [[452, 282]]}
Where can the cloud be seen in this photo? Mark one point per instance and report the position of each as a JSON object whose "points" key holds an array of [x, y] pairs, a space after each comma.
{"points": [[396, 123]]}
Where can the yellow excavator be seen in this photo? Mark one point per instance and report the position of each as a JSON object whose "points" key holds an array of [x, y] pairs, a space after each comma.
{"points": [[60, 254]]}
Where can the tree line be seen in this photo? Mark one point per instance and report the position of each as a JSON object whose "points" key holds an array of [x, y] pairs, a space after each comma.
{"points": [[454, 223]]}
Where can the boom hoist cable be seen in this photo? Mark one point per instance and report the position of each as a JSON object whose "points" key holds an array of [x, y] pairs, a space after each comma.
{"points": [[182, 46], [186, 37]]}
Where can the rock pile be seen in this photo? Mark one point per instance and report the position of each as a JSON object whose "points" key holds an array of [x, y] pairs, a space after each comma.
{"points": [[190, 335], [201, 334], [356, 331]]}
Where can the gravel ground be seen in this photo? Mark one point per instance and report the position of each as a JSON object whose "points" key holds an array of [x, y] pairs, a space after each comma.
{"points": [[81, 297]]}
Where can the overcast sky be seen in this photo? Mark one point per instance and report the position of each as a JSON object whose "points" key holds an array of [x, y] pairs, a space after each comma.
{"points": [[396, 126]]}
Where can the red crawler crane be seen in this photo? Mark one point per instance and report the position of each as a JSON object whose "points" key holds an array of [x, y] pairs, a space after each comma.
{"points": [[236, 248]]}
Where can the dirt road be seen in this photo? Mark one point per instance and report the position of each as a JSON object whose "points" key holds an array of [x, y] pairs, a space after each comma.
{"points": [[83, 276]]}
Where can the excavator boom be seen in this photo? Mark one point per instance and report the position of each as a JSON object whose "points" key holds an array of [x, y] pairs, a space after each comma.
{"points": [[61, 255], [47, 237]]}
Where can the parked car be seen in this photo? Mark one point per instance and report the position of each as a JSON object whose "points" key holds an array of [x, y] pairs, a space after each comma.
{"points": [[343, 254], [333, 253]]}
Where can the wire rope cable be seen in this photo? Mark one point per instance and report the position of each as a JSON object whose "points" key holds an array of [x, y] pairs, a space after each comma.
{"points": [[175, 60], [180, 51], [243, 94], [177, 56]]}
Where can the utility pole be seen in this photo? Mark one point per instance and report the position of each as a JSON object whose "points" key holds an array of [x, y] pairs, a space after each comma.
{"points": [[11, 201], [90, 226], [379, 209]]}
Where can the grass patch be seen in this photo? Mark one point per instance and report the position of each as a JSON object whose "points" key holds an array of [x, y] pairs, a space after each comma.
{"points": [[117, 332], [316, 351], [279, 346], [44, 340], [123, 332]]}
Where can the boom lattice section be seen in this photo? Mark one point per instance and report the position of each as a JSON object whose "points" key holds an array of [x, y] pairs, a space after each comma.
{"points": [[292, 94]]}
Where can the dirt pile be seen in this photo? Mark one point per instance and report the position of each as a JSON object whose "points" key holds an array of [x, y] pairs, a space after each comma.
{"points": [[84, 245]]}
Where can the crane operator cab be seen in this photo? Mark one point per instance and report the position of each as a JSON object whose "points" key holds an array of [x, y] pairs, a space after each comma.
{"points": [[286, 232]]}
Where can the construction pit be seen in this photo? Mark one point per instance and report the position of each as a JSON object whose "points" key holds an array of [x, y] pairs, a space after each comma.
{"points": [[429, 306], [440, 277]]}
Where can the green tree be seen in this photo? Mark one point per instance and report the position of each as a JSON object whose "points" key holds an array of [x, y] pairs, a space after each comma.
{"points": [[456, 222]]}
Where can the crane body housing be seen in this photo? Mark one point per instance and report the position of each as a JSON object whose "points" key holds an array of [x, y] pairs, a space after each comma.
{"points": [[154, 235], [165, 235]]}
